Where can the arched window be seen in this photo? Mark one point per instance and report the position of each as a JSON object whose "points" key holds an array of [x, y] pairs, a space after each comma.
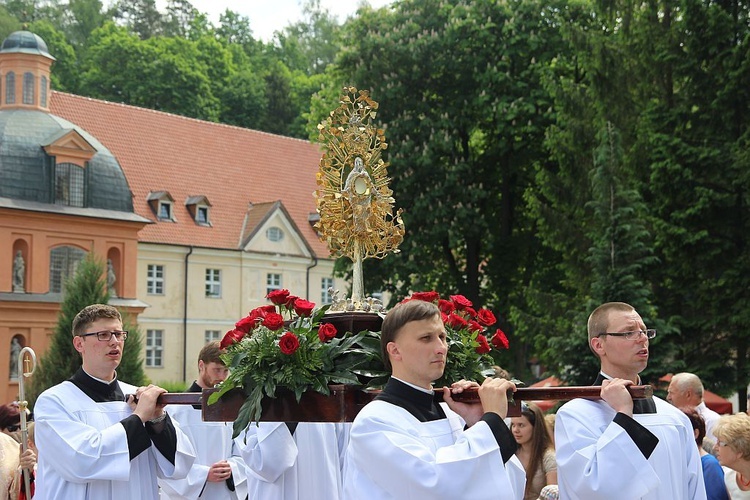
{"points": [[69, 185], [63, 262], [10, 88], [28, 88], [43, 92]]}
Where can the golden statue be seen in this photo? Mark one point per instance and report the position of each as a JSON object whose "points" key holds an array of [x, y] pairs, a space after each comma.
{"points": [[353, 198]]}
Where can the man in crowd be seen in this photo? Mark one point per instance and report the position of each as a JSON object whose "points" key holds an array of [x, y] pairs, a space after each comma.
{"points": [[618, 448], [686, 389], [101, 438], [404, 445], [219, 471]]}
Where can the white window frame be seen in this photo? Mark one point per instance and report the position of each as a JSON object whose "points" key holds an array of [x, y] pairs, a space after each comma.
{"points": [[155, 279], [213, 283], [154, 348], [273, 282], [325, 296], [212, 335], [275, 234]]}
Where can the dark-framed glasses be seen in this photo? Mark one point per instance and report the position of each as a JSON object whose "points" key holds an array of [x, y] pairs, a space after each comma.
{"points": [[106, 335], [634, 335]]}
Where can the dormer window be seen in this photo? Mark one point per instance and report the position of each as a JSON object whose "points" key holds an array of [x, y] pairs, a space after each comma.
{"points": [[69, 185], [161, 203], [199, 208], [274, 234], [165, 210]]}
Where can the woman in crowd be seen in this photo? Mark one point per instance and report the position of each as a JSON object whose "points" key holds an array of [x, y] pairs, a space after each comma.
{"points": [[713, 475], [535, 450], [733, 451]]}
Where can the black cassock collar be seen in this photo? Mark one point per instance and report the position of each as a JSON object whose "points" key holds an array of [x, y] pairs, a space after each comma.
{"points": [[420, 404], [96, 390]]}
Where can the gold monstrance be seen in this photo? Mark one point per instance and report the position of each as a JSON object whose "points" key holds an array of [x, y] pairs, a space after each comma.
{"points": [[353, 198]]}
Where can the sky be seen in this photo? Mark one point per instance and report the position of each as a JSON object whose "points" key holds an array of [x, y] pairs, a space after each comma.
{"points": [[268, 16]]}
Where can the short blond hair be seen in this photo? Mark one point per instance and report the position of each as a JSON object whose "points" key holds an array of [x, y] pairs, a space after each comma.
{"points": [[734, 430], [599, 319]]}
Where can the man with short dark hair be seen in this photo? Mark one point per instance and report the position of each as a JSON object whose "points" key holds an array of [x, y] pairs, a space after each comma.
{"points": [[219, 471], [99, 437], [404, 445], [618, 448]]}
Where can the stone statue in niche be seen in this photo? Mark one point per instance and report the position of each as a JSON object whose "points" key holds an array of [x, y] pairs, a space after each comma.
{"points": [[15, 350], [111, 278], [19, 273]]}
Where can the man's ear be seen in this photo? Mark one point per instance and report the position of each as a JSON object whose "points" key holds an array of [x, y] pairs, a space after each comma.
{"points": [[597, 345], [78, 343], [393, 351]]}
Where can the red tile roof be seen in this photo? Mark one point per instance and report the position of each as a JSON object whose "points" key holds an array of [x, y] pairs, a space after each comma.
{"points": [[231, 166]]}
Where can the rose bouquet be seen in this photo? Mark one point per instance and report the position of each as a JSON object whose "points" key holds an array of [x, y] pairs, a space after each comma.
{"points": [[266, 352], [469, 348]]}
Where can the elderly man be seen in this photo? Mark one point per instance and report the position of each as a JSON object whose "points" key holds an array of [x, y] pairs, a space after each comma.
{"points": [[686, 389]]}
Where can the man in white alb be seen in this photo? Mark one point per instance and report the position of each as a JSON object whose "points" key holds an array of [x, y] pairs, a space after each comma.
{"points": [[618, 448], [219, 471], [404, 445], [99, 438]]}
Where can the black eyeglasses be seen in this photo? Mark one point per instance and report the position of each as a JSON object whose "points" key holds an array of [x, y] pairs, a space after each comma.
{"points": [[106, 335], [636, 334]]}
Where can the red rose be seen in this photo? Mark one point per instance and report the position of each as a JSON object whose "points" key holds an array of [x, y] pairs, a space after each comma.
{"points": [[290, 302], [446, 306], [273, 321], [303, 307], [278, 297], [500, 341], [425, 296], [288, 343], [231, 337], [470, 312], [475, 327], [485, 317], [246, 324], [484, 346], [461, 302], [456, 322], [263, 310], [326, 332]]}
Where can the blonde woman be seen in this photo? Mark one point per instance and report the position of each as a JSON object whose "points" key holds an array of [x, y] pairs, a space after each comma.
{"points": [[733, 451]]}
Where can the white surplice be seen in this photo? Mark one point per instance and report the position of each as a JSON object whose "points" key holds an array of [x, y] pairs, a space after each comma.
{"points": [[83, 450], [213, 443], [392, 455], [282, 466], [597, 458]]}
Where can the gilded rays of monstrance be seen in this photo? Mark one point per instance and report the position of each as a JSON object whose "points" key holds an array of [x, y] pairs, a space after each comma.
{"points": [[353, 198]]}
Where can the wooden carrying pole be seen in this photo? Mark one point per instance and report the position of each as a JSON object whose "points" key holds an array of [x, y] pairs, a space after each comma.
{"points": [[345, 401]]}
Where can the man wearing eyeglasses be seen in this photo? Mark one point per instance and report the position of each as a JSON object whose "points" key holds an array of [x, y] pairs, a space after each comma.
{"points": [[100, 438], [618, 448]]}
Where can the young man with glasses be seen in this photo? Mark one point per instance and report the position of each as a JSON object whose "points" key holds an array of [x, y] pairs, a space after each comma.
{"points": [[99, 437], [618, 448]]}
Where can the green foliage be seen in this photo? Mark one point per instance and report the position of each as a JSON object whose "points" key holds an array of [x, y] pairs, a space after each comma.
{"points": [[130, 369], [87, 286]]}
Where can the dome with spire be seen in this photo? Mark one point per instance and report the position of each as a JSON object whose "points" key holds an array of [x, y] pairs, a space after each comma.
{"points": [[25, 42]]}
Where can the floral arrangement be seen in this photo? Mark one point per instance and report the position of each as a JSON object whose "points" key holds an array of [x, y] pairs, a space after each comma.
{"points": [[284, 346], [469, 349], [266, 352]]}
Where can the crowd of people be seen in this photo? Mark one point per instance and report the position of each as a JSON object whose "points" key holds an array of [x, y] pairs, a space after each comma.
{"points": [[102, 438]]}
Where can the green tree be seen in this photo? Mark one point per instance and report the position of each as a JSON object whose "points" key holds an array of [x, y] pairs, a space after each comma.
{"points": [[87, 286], [64, 76], [141, 17]]}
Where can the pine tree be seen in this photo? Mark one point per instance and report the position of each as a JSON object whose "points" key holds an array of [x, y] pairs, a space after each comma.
{"points": [[61, 360]]}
